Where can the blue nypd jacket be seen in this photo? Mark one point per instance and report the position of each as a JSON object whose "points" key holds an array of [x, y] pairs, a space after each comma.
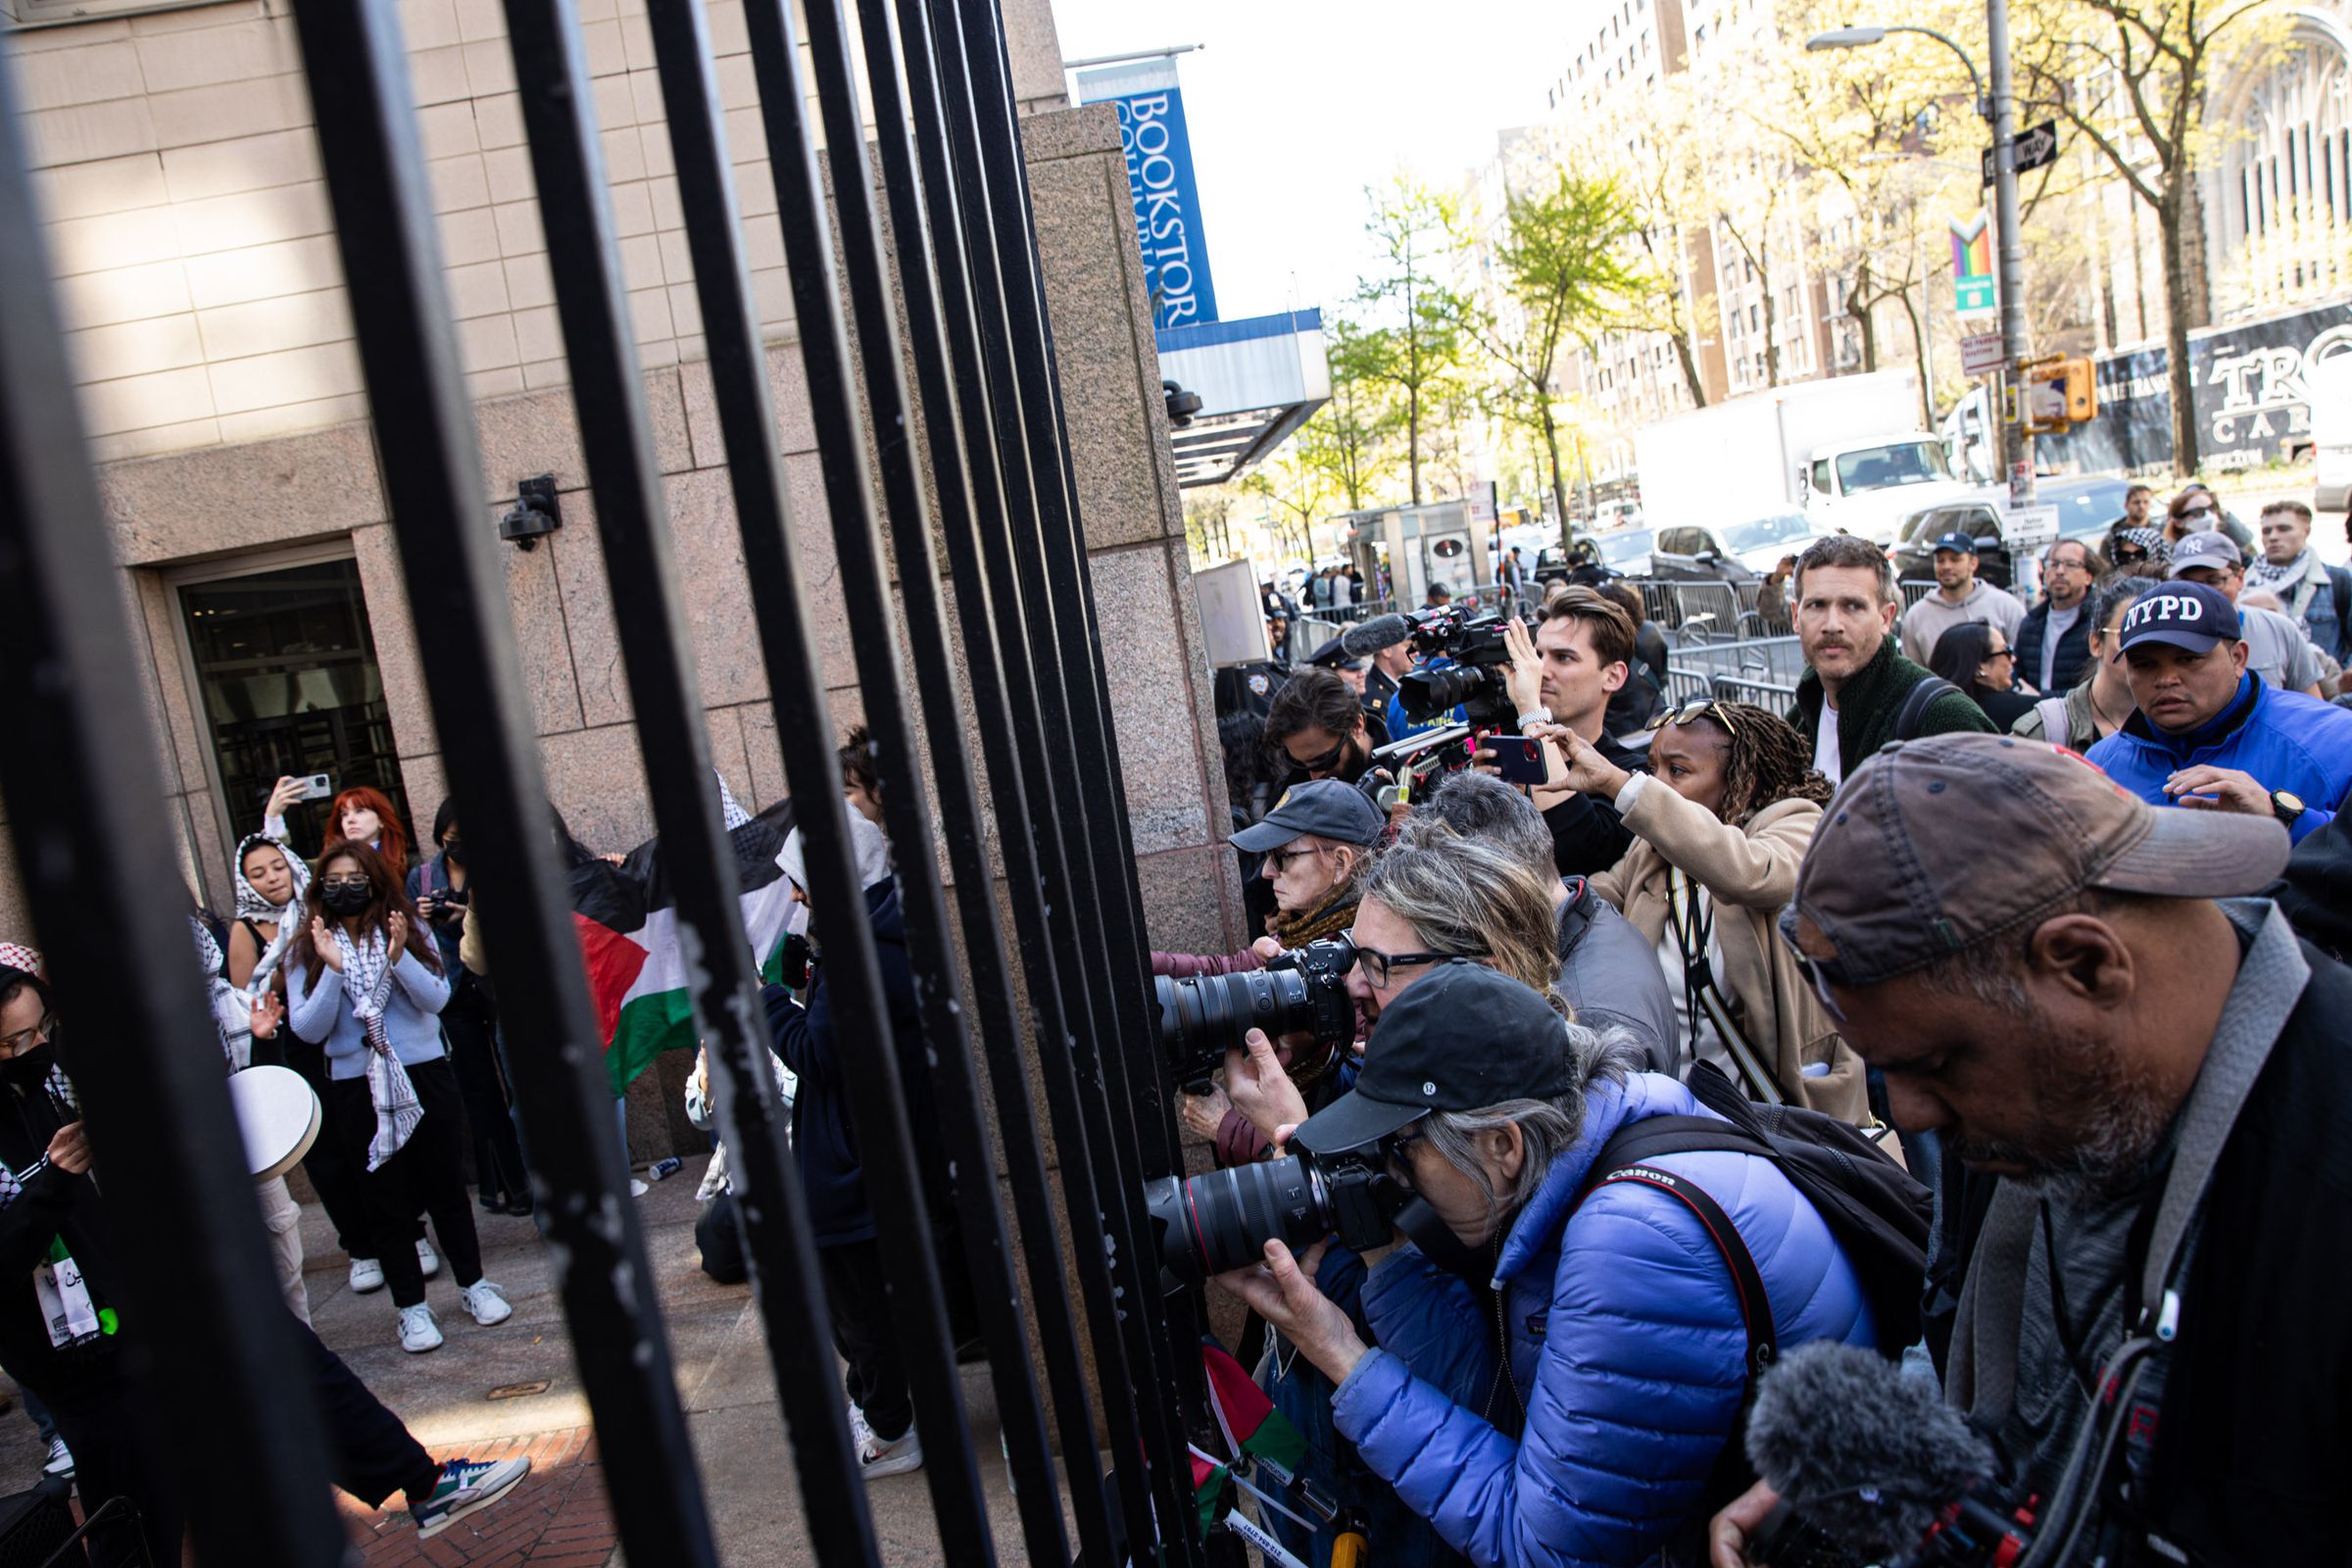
{"points": [[2285, 740]]}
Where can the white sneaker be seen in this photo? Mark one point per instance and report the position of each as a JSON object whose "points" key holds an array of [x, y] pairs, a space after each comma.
{"points": [[900, 1454], [426, 1258], [366, 1276], [60, 1461], [487, 1302], [861, 1436], [418, 1331]]}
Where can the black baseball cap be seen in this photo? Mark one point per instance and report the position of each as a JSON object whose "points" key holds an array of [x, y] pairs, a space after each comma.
{"points": [[2194, 615], [1463, 1037], [1323, 807], [1331, 656], [1963, 543]]}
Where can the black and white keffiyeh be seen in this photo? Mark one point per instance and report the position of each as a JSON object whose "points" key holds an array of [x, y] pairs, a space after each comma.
{"points": [[252, 905], [2279, 580], [367, 982]]}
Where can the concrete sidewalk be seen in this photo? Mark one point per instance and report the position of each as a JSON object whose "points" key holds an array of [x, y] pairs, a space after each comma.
{"points": [[479, 1394]]}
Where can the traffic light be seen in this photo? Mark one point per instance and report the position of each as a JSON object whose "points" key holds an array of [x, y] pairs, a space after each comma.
{"points": [[2081, 389], [2059, 393]]}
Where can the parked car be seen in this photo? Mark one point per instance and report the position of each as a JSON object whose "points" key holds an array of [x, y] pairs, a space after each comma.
{"points": [[2087, 505], [1699, 554], [1624, 553], [1762, 543]]}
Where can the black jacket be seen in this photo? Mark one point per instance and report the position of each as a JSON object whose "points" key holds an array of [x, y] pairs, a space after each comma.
{"points": [[2074, 649], [1872, 702], [824, 1136], [53, 1206], [1585, 836]]}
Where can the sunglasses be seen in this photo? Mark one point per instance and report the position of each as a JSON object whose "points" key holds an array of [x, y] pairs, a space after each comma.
{"points": [[1818, 972], [1282, 858], [1377, 964], [1692, 711], [1323, 764]]}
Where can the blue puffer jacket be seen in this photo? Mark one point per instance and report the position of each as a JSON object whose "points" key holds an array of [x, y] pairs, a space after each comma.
{"points": [[2285, 740], [1630, 1402]]}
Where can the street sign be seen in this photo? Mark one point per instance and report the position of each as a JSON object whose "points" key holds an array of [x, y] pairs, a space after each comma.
{"points": [[2035, 149], [2027, 527], [1980, 354], [1972, 266]]}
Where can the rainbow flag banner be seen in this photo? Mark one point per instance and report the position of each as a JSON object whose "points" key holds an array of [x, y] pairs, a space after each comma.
{"points": [[1972, 268]]}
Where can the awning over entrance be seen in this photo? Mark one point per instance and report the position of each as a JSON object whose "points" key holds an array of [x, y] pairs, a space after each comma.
{"points": [[1257, 379]]}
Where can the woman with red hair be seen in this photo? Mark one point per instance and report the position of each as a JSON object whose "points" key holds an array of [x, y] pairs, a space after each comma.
{"points": [[363, 816]]}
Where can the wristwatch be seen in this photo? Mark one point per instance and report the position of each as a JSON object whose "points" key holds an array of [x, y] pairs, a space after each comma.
{"points": [[1534, 715], [2288, 805]]}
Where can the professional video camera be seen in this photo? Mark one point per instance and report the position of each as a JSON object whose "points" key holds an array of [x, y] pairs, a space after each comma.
{"points": [[1221, 1221], [1305, 989], [1474, 680]]}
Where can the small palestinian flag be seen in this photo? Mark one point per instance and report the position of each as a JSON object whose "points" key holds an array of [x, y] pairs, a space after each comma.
{"points": [[629, 938], [1250, 1426]]}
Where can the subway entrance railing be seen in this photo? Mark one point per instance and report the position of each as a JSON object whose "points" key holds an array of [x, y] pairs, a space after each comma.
{"points": [[954, 292]]}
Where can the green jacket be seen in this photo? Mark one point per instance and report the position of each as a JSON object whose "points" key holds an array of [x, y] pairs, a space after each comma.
{"points": [[1872, 701]]}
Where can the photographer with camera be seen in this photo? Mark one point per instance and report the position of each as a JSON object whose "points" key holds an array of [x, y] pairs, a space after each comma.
{"points": [[1588, 1434], [1315, 841], [1720, 824], [2148, 1069], [1316, 728], [1608, 972]]}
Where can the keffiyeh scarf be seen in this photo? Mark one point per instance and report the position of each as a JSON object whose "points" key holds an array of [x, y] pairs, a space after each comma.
{"points": [[2280, 579], [251, 905], [59, 1088], [367, 982]]}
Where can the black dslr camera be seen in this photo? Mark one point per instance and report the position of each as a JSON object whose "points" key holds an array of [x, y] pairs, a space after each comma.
{"points": [[1305, 989], [1221, 1221], [1475, 679]]}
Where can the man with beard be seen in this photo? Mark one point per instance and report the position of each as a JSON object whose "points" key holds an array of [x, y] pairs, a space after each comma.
{"points": [[2147, 1068], [1319, 728], [1857, 691]]}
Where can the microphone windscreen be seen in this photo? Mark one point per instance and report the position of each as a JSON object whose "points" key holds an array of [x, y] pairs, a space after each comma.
{"points": [[1368, 637], [1865, 1454]]}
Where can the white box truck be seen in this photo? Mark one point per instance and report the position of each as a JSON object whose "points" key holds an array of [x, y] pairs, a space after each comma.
{"points": [[1846, 451]]}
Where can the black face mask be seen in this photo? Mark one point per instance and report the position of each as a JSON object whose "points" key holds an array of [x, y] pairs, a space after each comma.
{"points": [[29, 1068], [455, 849], [344, 902]]}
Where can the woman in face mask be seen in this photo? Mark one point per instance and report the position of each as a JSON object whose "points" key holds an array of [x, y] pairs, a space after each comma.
{"points": [[361, 816], [367, 983], [443, 892]]}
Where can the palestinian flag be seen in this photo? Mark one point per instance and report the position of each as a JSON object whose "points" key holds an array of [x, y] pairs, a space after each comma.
{"points": [[1252, 1428], [629, 937]]}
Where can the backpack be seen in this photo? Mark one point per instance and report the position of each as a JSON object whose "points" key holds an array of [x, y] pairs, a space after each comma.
{"points": [[1916, 704], [1878, 1214]]}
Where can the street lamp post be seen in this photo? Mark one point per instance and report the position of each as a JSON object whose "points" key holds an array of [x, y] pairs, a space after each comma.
{"points": [[2000, 111]]}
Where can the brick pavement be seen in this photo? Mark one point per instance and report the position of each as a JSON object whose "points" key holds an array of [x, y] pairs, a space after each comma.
{"points": [[558, 1518]]}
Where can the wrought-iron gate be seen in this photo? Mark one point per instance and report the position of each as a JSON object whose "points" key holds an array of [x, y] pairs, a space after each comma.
{"points": [[956, 251]]}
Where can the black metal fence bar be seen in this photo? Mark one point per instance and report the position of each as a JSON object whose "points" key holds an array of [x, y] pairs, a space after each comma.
{"points": [[954, 484], [86, 807], [1102, 861], [1025, 772], [944, 704], [801, 196], [698, 859], [386, 233]]}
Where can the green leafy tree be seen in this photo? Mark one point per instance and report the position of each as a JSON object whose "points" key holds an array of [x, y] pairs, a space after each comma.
{"points": [[1351, 440], [1560, 260], [1416, 341]]}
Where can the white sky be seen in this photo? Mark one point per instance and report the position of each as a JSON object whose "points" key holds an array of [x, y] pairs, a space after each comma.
{"points": [[1295, 106]]}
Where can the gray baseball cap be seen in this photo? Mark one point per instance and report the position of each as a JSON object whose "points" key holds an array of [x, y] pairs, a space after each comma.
{"points": [[1323, 807], [1896, 876], [2213, 551]]}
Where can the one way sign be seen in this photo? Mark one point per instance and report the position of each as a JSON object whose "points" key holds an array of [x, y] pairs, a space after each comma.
{"points": [[2035, 149]]}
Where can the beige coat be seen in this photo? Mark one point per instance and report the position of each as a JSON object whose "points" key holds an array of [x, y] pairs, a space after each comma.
{"points": [[1750, 872]]}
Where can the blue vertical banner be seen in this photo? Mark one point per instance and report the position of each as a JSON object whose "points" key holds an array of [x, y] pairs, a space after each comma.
{"points": [[1160, 184]]}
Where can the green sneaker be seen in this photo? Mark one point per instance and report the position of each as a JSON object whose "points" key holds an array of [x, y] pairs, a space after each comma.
{"points": [[465, 1485]]}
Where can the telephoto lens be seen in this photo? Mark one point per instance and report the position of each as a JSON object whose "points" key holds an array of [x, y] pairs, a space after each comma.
{"points": [[1222, 1219], [1303, 991]]}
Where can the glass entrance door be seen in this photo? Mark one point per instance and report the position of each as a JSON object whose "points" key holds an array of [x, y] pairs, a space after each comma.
{"points": [[285, 668]]}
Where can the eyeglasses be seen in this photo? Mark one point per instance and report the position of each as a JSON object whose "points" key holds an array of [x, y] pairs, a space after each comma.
{"points": [[2130, 556], [25, 1039], [1692, 711], [2000, 653], [1815, 970], [1282, 858], [1400, 1144], [1377, 964], [343, 882], [2196, 512]]}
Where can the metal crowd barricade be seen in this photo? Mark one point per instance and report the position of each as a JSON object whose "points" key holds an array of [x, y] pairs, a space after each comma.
{"points": [[1771, 658], [1914, 591], [83, 791], [1691, 612]]}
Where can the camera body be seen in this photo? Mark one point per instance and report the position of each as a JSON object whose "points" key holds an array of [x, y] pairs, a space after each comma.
{"points": [[1475, 680], [1305, 989], [1221, 1221]]}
